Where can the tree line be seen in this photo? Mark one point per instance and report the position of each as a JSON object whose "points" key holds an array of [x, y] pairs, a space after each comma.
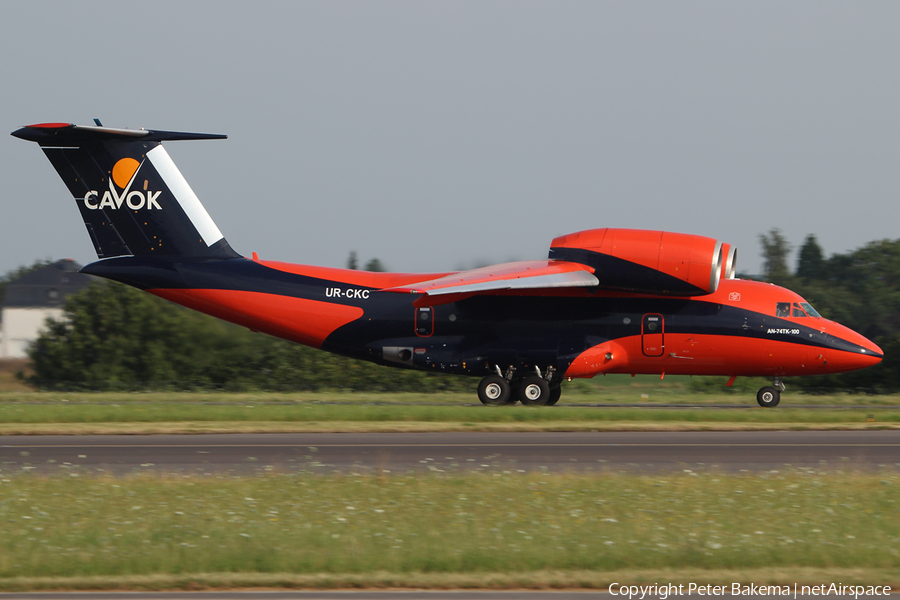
{"points": [[859, 289]]}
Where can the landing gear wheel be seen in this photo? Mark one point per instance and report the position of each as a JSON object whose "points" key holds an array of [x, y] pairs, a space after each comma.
{"points": [[493, 390], [555, 393], [533, 391], [768, 397]]}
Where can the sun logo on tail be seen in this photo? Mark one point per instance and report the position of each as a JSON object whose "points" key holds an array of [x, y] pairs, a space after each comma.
{"points": [[124, 170], [122, 175]]}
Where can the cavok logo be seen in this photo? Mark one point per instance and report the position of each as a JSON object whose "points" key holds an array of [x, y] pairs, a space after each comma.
{"points": [[123, 175]]}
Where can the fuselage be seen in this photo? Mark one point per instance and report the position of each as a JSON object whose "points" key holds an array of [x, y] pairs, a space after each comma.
{"points": [[744, 328]]}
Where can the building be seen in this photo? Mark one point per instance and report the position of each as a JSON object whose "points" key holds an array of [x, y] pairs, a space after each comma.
{"points": [[31, 299]]}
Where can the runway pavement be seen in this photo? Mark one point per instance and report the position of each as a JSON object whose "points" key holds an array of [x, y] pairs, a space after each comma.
{"points": [[360, 595], [401, 452]]}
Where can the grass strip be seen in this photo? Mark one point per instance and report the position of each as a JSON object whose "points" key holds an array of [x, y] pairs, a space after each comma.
{"points": [[493, 525], [533, 580], [212, 427], [642, 389], [166, 417]]}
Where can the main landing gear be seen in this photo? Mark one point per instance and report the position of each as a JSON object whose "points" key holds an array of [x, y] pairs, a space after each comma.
{"points": [[531, 390], [494, 390], [770, 396]]}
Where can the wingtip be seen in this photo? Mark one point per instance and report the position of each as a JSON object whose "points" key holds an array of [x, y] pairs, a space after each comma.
{"points": [[38, 130]]}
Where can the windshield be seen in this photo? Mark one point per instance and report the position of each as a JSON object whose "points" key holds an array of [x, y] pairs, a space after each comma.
{"points": [[809, 309], [796, 309]]}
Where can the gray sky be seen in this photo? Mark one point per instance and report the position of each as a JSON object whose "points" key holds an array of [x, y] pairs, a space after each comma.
{"points": [[438, 135]]}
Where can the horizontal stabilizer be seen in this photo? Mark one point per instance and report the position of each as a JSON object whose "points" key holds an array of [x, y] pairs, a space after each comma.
{"points": [[507, 276], [65, 134]]}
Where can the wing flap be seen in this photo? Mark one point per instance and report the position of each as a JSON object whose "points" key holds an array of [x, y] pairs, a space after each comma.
{"points": [[522, 275]]}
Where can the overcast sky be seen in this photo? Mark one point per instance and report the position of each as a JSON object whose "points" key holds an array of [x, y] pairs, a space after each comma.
{"points": [[441, 135]]}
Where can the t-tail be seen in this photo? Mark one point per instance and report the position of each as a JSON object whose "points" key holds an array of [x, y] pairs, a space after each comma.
{"points": [[132, 197]]}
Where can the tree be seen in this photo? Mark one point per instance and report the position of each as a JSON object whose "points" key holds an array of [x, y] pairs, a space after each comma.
{"points": [[811, 262], [375, 266], [775, 252], [860, 289], [114, 337]]}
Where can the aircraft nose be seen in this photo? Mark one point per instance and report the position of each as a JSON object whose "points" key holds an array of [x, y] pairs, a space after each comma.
{"points": [[849, 351]]}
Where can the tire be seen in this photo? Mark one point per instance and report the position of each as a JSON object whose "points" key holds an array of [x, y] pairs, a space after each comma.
{"points": [[555, 393], [493, 390], [533, 391], [768, 397]]}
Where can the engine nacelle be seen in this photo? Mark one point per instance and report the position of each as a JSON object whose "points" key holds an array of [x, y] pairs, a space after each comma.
{"points": [[653, 262]]}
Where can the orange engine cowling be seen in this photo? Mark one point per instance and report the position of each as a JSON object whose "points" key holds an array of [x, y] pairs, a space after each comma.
{"points": [[654, 262]]}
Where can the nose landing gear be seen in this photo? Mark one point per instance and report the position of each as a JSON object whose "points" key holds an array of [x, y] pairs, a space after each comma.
{"points": [[770, 396]]}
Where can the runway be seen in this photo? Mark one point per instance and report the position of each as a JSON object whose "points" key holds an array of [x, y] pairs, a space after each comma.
{"points": [[351, 595], [443, 452]]}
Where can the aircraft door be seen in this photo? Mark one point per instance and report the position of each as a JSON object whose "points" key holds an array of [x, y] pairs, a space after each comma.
{"points": [[653, 335], [424, 321]]}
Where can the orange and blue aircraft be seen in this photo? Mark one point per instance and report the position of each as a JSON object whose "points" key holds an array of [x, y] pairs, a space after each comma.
{"points": [[604, 301]]}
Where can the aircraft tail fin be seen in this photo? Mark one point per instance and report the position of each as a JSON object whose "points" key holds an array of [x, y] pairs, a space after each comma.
{"points": [[132, 197]]}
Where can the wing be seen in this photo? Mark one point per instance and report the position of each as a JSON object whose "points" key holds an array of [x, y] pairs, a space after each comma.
{"points": [[521, 275]]}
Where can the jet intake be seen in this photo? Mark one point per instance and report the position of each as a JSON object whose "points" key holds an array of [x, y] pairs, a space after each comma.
{"points": [[729, 256]]}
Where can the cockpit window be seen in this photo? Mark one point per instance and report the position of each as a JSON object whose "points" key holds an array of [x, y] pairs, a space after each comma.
{"points": [[797, 309], [810, 310]]}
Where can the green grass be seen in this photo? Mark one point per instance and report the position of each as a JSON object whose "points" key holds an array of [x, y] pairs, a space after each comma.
{"points": [[49, 412], [255, 413], [493, 522], [621, 389]]}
